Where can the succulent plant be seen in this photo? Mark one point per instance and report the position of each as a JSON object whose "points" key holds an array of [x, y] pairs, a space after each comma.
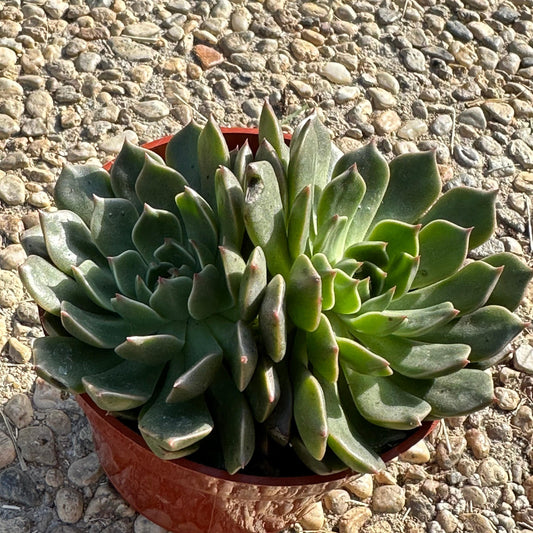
{"points": [[294, 295]]}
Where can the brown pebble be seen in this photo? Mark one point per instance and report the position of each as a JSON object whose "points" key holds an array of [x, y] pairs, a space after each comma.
{"points": [[208, 56]]}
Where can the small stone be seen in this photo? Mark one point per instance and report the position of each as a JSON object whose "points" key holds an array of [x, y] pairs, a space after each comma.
{"points": [[381, 98], [17, 487], [54, 478], [336, 501], [523, 357], [10, 88], [491, 473], [478, 442], [473, 116], [336, 73], [412, 129], [45, 396], [446, 459], [7, 451], [81, 152], [11, 290], [362, 486], [413, 59], [142, 29], [528, 486], [387, 122], [208, 57], [88, 61], [151, 109], [130, 50], [506, 399], [509, 63], [107, 504], [353, 520], [459, 30], [19, 410], [417, 454], [477, 523], [442, 125], [69, 505], [304, 50], [467, 157], [39, 199], [12, 189], [39, 104], [59, 422], [113, 145], [37, 445], [499, 112], [313, 518], [421, 508], [388, 499], [141, 73], [302, 89], [346, 94], [8, 57], [521, 153], [474, 495], [34, 127], [447, 520], [85, 471], [388, 82]]}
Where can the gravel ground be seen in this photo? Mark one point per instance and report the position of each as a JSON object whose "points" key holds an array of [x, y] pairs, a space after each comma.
{"points": [[455, 76]]}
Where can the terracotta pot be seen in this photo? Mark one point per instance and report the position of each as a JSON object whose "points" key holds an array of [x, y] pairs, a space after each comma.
{"points": [[186, 497]]}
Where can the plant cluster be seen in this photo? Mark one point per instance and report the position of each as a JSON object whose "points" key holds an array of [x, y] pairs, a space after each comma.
{"points": [[293, 295]]}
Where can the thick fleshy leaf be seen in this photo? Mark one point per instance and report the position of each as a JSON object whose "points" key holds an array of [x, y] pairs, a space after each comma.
{"points": [[323, 351], [171, 296], [142, 292], [48, 286], [51, 325], [378, 303], [272, 319], [304, 294], [299, 222], [125, 268], [126, 169], [264, 217], [377, 277], [199, 219], [399, 236], [212, 153], [172, 252], [373, 252], [151, 230], [323, 156], [270, 130], [112, 222], [98, 330], [234, 266], [209, 294], [263, 391], [127, 385], [238, 344], [457, 394], [309, 410], [400, 273], [242, 159], [443, 249], [253, 284], [344, 439], [384, 403], [515, 277], [363, 289], [168, 455], [181, 154], [266, 152], [68, 240], [63, 361], [330, 463], [330, 238], [377, 323], [142, 317], [98, 283], [347, 300], [327, 276], [413, 187], [204, 255], [77, 185], [487, 331], [234, 421], [33, 243], [374, 170], [467, 289], [230, 208], [157, 185], [416, 359], [468, 208], [355, 356], [151, 349], [279, 423]]}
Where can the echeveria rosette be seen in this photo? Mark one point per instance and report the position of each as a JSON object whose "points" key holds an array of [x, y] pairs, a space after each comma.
{"points": [[323, 300]]}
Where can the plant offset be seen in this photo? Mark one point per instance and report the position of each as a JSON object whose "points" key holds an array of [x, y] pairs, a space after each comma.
{"points": [[235, 302]]}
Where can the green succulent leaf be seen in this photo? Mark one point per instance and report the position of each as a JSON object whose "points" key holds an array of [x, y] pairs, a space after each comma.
{"points": [[242, 159], [169, 455], [199, 219], [77, 185], [377, 277], [151, 230], [323, 351], [150, 350], [372, 251], [170, 297], [399, 236], [212, 153], [378, 303], [279, 423], [401, 273], [99, 330], [33, 243], [384, 403], [266, 152], [310, 414], [48, 286], [468, 208], [347, 299], [327, 276], [272, 319], [330, 238], [209, 294], [264, 217], [515, 277], [233, 265], [304, 294], [487, 331], [157, 185], [142, 292], [234, 421], [329, 464], [359, 358], [63, 361], [112, 222], [263, 391], [378, 323], [230, 207], [253, 284], [98, 283], [467, 289], [141, 316], [413, 187], [270, 130], [125, 170], [298, 223], [457, 394], [125, 268], [68, 240], [443, 249], [374, 170], [52, 325], [127, 385], [182, 155]]}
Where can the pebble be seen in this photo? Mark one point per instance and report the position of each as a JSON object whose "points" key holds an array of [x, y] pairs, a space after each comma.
{"points": [[473, 116], [7, 450], [491, 473], [208, 56], [417, 454], [45, 396], [130, 50], [467, 157], [8, 126], [69, 505], [353, 520], [413, 60], [412, 129], [388, 499], [304, 50], [381, 98], [421, 508], [39, 104], [478, 442], [506, 399], [302, 89], [7, 58], [477, 523], [362, 486], [18, 487], [151, 109], [442, 125], [336, 501], [313, 518], [36, 444], [106, 503], [12, 189], [387, 122], [11, 290], [523, 356], [521, 153], [475, 495], [336, 73], [499, 112]]}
